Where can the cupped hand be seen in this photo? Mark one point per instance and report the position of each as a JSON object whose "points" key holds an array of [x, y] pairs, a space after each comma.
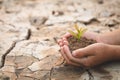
{"points": [[89, 56]]}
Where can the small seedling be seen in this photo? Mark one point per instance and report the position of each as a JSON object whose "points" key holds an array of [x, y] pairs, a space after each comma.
{"points": [[79, 33]]}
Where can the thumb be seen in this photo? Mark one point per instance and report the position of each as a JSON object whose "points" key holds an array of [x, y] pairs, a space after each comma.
{"points": [[83, 52], [79, 53]]}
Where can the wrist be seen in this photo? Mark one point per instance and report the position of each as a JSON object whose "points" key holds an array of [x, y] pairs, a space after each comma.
{"points": [[102, 38], [114, 50], [109, 39]]}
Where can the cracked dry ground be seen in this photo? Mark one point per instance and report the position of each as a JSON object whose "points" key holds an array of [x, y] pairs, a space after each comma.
{"points": [[28, 29]]}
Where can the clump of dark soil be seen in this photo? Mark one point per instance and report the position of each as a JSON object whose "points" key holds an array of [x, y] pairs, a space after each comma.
{"points": [[76, 44]]}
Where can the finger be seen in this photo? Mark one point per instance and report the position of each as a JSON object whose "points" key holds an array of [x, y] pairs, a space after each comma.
{"points": [[70, 57], [65, 42], [79, 53], [90, 35], [64, 39], [60, 42], [67, 60], [63, 54], [66, 35], [84, 52]]}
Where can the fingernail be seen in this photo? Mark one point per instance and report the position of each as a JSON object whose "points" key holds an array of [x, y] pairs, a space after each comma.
{"points": [[64, 39], [60, 44], [65, 42], [74, 53], [64, 46]]}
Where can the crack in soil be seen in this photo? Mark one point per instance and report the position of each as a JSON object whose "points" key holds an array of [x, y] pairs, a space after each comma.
{"points": [[28, 34], [12, 47], [91, 77], [7, 52], [50, 78]]}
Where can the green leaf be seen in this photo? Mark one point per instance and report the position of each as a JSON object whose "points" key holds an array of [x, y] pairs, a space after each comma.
{"points": [[83, 31], [79, 33], [73, 33], [76, 27]]}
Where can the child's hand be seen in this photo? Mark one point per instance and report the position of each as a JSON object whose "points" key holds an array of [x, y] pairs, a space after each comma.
{"points": [[89, 56], [94, 54], [63, 40]]}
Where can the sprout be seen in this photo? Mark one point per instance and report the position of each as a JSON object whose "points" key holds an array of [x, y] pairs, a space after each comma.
{"points": [[79, 33]]}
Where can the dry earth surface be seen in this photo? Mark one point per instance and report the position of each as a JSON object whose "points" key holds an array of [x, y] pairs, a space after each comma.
{"points": [[28, 29]]}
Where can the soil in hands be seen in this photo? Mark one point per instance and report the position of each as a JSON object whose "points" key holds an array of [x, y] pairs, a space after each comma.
{"points": [[74, 43]]}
